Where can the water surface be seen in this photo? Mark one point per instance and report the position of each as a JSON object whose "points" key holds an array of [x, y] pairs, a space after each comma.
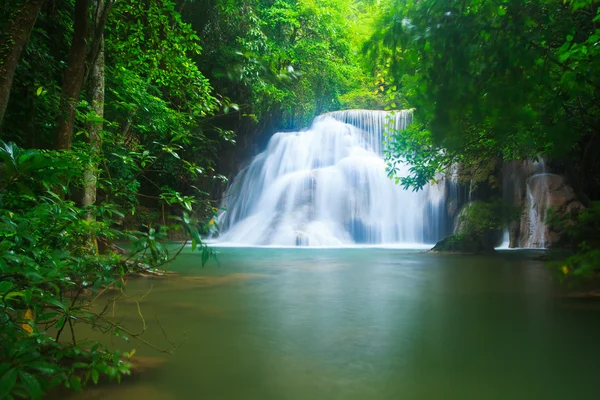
{"points": [[361, 324]]}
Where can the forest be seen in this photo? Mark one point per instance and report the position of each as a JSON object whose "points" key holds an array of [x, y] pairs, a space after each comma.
{"points": [[122, 123]]}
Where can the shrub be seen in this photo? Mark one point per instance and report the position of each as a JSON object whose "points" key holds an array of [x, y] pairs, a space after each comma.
{"points": [[51, 272]]}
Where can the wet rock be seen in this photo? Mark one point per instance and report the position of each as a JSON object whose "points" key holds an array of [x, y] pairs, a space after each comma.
{"points": [[462, 244], [536, 187], [545, 192]]}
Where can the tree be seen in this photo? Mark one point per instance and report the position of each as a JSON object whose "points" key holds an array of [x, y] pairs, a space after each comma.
{"points": [[81, 60], [507, 79], [73, 75], [90, 177], [13, 39], [124, 112], [284, 61]]}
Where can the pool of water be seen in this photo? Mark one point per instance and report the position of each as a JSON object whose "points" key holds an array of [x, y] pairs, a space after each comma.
{"points": [[360, 324]]}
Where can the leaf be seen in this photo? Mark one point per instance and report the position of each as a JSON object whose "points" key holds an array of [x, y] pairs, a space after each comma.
{"points": [[205, 256], [57, 303], [75, 383], [95, 376], [61, 322], [28, 319], [39, 91], [7, 382], [5, 286], [43, 367], [32, 385]]}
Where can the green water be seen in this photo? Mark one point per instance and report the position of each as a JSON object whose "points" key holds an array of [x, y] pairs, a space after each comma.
{"points": [[362, 324]]}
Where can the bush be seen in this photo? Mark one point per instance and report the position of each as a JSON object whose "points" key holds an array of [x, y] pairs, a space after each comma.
{"points": [[581, 238], [51, 271]]}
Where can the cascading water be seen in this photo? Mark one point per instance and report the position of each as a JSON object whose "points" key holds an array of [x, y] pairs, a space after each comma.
{"points": [[537, 202], [527, 184], [328, 186]]}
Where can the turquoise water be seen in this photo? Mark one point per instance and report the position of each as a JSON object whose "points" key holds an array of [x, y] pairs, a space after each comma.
{"points": [[361, 324]]}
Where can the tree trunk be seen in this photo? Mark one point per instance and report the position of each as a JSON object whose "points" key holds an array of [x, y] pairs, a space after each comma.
{"points": [[94, 129], [74, 74], [101, 12], [12, 41]]}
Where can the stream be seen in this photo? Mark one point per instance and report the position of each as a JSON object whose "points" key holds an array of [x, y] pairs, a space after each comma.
{"points": [[359, 323]]}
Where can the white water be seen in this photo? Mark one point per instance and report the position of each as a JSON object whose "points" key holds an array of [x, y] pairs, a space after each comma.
{"points": [[505, 240], [537, 202], [328, 186]]}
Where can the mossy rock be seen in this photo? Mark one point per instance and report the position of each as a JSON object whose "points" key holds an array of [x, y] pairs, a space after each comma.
{"points": [[462, 244]]}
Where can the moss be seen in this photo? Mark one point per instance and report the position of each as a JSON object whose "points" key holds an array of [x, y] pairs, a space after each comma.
{"points": [[479, 227], [462, 244]]}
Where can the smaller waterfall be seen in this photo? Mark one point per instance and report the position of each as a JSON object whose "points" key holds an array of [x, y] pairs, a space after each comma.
{"points": [[537, 202], [505, 240], [537, 206], [535, 189]]}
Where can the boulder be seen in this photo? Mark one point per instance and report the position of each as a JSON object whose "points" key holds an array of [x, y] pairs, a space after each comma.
{"points": [[544, 192], [462, 244]]}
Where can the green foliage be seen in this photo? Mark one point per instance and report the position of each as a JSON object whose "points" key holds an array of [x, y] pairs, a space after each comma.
{"points": [[142, 216], [51, 274], [580, 235], [286, 59], [362, 98], [492, 80], [151, 40], [478, 226], [479, 217], [158, 103], [503, 78]]}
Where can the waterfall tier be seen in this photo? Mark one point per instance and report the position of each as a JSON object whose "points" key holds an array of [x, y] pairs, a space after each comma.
{"points": [[328, 186]]}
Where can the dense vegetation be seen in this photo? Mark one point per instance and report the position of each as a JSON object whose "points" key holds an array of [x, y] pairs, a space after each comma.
{"points": [[487, 79], [497, 80], [114, 115], [118, 121]]}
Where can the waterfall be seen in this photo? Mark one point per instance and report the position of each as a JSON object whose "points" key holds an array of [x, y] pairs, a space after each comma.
{"points": [[537, 202], [505, 240], [328, 186], [528, 184]]}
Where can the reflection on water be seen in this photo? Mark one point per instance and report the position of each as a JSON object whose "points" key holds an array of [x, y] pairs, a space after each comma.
{"points": [[361, 324]]}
